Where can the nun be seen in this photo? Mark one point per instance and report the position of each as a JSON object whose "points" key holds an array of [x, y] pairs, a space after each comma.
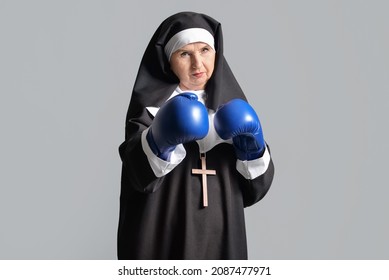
{"points": [[194, 155]]}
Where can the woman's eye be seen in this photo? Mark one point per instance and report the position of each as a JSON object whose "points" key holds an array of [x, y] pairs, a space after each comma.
{"points": [[184, 54], [205, 49]]}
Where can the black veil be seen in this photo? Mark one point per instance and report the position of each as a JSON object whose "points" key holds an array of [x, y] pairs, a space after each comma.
{"points": [[155, 81]]}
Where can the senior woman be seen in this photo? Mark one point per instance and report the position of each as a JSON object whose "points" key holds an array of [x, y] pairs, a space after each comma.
{"points": [[194, 154]]}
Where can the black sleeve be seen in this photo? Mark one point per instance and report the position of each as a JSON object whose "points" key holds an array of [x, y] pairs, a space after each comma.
{"points": [[254, 190], [136, 169]]}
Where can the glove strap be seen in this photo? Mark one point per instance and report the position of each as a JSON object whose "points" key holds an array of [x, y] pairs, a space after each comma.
{"points": [[162, 154]]}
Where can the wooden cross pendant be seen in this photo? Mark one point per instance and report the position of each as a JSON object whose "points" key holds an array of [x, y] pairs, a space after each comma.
{"points": [[204, 172]]}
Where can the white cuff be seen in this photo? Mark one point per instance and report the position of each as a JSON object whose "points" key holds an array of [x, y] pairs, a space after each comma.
{"points": [[251, 169], [159, 166]]}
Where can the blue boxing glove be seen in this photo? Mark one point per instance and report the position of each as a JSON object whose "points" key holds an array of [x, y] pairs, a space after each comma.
{"points": [[237, 120], [180, 120]]}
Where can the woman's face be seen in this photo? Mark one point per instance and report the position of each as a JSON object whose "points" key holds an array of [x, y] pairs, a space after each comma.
{"points": [[193, 64]]}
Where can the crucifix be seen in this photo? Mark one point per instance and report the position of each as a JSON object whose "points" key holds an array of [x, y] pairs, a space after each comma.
{"points": [[204, 172]]}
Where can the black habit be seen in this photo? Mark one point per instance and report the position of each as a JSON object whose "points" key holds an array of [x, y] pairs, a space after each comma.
{"points": [[164, 218]]}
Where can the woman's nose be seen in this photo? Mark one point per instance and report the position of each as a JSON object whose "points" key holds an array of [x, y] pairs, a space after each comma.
{"points": [[196, 61]]}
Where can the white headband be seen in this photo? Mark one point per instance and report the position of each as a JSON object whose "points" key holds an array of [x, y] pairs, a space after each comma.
{"points": [[188, 36]]}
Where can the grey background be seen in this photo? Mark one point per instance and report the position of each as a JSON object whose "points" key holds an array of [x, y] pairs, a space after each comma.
{"points": [[316, 72]]}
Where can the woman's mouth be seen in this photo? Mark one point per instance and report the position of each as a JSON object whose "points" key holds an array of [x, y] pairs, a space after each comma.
{"points": [[198, 74]]}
